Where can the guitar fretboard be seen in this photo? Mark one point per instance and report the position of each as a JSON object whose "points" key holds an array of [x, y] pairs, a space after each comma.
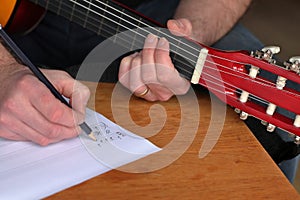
{"points": [[109, 19]]}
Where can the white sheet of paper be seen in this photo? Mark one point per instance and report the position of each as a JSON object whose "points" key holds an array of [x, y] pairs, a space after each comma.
{"points": [[29, 171]]}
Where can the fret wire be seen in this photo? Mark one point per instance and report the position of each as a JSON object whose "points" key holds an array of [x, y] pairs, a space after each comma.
{"points": [[135, 35], [102, 21], [58, 9], [87, 14], [118, 27]]}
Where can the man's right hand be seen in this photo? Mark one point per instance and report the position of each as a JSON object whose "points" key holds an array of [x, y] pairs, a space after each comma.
{"points": [[29, 111]]}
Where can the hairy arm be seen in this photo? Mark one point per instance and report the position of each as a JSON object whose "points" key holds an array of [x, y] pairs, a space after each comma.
{"points": [[211, 19]]}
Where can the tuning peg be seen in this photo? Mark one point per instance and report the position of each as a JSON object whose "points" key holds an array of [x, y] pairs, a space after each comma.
{"points": [[295, 59], [271, 128], [280, 82], [238, 111], [253, 71], [243, 115], [263, 122], [293, 64], [267, 53], [271, 109], [297, 140], [271, 49], [297, 121]]}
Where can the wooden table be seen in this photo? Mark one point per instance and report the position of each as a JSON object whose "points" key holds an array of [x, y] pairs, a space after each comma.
{"points": [[237, 167]]}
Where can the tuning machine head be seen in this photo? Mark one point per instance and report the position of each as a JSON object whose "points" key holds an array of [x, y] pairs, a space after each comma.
{"points": [[293, 64], [267, 53], [297, 140], [294, 137]]}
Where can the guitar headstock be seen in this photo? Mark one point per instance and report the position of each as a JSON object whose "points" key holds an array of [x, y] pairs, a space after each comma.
{"points": [[256, 85]]}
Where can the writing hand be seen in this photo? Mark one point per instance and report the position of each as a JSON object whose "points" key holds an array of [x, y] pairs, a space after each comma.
{"points": [[150, 73], [29, 111]]}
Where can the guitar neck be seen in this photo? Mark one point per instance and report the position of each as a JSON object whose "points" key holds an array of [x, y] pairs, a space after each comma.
{"points": [[108, 19]]}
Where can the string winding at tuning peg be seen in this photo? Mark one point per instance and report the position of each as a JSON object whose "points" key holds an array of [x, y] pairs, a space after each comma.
{"points": [[267, 53], [293, 64]]}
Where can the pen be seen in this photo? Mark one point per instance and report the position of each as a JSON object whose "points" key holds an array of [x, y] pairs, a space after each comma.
{"points": [[36, 71]]}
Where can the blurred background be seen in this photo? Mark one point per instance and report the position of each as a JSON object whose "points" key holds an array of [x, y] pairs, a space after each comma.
{"points": [[277, 23]]}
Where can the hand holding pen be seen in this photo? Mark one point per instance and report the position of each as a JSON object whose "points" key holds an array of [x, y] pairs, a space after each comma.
{"points": [[28, 108]]}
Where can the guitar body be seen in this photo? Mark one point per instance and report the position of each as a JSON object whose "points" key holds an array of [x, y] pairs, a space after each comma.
{"points": [[19, 16]]}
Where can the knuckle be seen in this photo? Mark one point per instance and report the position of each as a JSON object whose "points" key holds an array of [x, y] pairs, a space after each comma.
{"points": [[161, 53], [9, 105], [148, 51], [4, 121], [24, 83]]}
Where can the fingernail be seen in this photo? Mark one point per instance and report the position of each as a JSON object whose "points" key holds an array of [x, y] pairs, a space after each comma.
{"points": [[150, 38], [162, 41]]}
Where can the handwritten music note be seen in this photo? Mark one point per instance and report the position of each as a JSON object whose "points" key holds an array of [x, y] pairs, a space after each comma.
{"points": [[122, 144]]}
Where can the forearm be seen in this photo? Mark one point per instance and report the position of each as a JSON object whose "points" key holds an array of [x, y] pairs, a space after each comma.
{"points": [[211, 19], [8, 65], [5, 57]]}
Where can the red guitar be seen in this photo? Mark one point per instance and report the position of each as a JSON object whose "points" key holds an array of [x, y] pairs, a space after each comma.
{"points": [[232, 76]]}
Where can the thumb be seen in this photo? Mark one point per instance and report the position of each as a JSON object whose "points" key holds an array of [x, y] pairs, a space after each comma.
{"points": [[180, 27]]}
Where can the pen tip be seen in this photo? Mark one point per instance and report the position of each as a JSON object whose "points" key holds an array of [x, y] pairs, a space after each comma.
{"points": [[91, 135]]}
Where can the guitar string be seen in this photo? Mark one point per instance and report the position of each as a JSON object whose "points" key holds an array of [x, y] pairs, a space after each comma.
{"points": [[220, 84], [149, 32]]}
